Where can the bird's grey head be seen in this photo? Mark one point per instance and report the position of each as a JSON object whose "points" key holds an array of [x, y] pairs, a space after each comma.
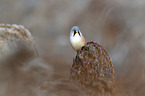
{"points": [[75, 30]]}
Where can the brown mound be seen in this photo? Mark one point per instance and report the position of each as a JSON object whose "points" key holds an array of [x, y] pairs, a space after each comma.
{"points": [[91, 64]]}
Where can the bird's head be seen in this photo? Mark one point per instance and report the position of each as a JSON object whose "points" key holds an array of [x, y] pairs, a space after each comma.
{"points": [[75, 31]]}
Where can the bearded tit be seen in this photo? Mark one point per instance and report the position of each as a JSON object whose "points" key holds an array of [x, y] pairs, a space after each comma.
{"points": [[77, 39]]}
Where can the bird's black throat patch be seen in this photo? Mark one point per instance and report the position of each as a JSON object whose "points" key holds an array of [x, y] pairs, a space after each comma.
{"points": [[75, 33]]}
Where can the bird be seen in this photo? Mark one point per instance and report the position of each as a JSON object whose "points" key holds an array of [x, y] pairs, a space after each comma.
{"points": [[77, 39]]}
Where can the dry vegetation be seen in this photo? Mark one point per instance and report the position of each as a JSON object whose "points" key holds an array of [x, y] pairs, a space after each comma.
{"points": [[24, 73], [90, 63], [118, 25]]}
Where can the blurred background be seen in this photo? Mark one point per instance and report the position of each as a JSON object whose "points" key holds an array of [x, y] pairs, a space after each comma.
{"points": [[118, 25]]}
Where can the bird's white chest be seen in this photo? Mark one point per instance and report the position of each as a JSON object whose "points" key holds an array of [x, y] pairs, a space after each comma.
{"points": [[76, 42]]}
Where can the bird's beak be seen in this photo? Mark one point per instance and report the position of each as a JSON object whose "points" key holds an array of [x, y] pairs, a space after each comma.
{"points": [[76, 31]]}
